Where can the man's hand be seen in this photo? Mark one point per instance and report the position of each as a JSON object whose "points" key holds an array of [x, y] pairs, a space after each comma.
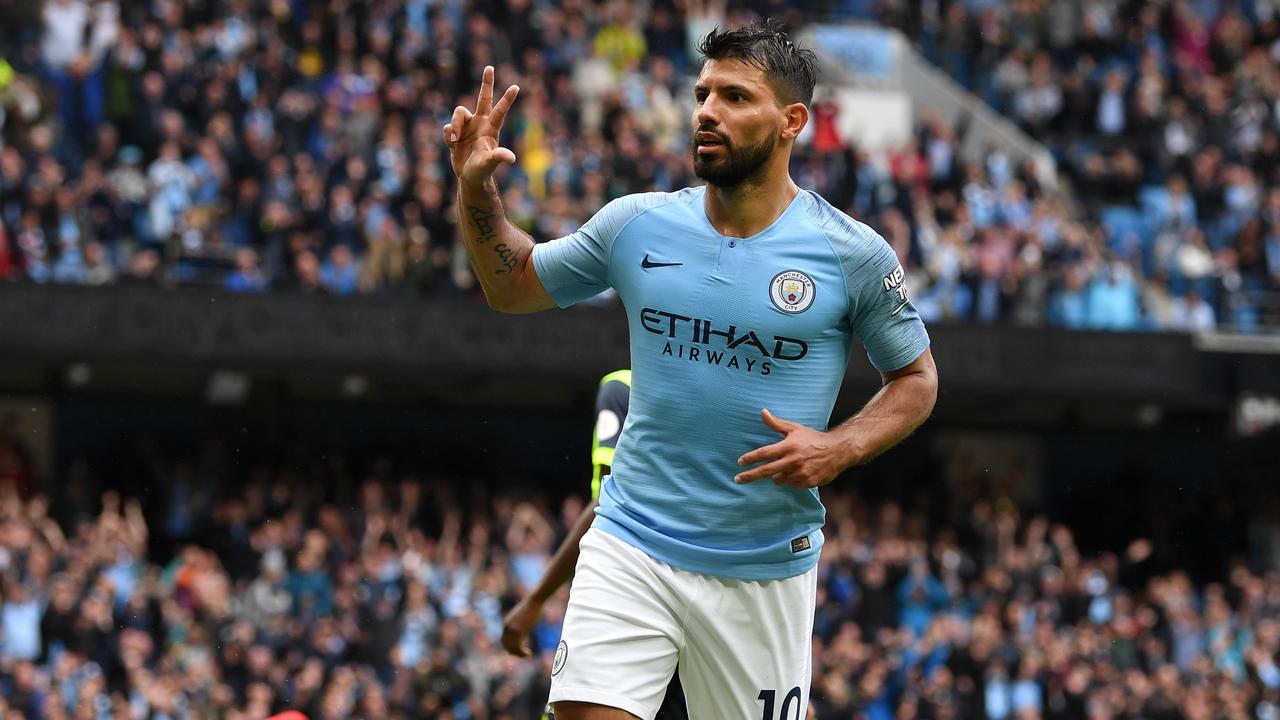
{"points": [[501, 253], [517, 625], [803, 458], [473, 137]]}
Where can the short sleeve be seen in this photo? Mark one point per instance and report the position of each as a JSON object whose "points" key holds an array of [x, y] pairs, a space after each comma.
{"points": [[576, 266], [611, 414], [612, 401], [882, 315]]}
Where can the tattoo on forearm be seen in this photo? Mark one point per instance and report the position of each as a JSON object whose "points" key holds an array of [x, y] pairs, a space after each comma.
{"points": [[507, 256], [482, 221]]}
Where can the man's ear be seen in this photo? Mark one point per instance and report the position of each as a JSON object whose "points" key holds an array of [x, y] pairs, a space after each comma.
{"points": [[794, 117]]}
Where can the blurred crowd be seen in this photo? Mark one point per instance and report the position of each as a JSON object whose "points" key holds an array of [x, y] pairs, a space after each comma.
{"points": [[1165, 117], [296, 144], [367, 592]]}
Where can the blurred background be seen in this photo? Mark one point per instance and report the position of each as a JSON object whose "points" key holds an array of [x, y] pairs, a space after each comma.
{"points": [[263, 446]]}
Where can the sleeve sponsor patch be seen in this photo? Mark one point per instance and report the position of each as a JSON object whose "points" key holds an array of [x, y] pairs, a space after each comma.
{"points": [[895, 283]]}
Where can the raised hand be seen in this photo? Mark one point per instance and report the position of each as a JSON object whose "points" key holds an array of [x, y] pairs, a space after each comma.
{"points": [[803, 458], [472, 137]]}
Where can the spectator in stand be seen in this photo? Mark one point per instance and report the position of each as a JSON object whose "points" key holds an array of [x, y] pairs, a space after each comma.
{"points": [[77, 35], [340, 273], [1112, 299], [1192, 314], [248, 276]]}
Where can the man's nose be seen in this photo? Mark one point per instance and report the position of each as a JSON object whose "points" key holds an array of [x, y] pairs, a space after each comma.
{"points": [[708, 113]]}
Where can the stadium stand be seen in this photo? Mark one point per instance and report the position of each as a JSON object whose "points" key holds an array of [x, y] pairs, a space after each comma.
{"points": [[295, 146], [357, 590]]}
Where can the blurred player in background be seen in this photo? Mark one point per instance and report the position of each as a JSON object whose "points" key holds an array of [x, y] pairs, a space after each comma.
{"points": [[743, 297], [612, 399]]}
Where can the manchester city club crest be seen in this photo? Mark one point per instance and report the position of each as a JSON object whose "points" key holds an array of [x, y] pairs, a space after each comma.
{"points": [[562, 654], [791, 291]]}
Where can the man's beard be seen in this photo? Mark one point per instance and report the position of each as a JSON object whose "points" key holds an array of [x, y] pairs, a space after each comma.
{"points": [[736, 166]]}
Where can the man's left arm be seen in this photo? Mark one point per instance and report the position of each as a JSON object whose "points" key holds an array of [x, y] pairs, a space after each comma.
{"points": [[898, 346], [808, 458]]}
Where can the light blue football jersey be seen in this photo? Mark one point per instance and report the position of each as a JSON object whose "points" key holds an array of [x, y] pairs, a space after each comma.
{"points": [[720, 328]]}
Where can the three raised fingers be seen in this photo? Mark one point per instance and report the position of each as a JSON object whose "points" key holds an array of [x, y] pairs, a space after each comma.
{"points": [[484, 106]]}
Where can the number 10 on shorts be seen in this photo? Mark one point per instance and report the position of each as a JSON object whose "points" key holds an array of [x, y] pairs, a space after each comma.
{"points": [[793, 697]]}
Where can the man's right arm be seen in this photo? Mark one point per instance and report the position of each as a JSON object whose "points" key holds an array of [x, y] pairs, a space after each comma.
{"points": [[500, 253], [517, 278]]}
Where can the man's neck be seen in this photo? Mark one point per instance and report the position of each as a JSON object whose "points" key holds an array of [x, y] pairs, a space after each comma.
{"points": [[750, 206]]}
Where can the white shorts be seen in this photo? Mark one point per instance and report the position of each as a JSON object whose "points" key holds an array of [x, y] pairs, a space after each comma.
{"points": [[743, 647]]}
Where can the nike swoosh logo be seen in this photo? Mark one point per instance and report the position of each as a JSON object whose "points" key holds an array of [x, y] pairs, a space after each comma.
{"points": [[646, 263], [898, 309]]}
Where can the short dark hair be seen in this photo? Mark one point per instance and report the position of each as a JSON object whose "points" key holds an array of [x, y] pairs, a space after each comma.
{"points": [[764, 44]]}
